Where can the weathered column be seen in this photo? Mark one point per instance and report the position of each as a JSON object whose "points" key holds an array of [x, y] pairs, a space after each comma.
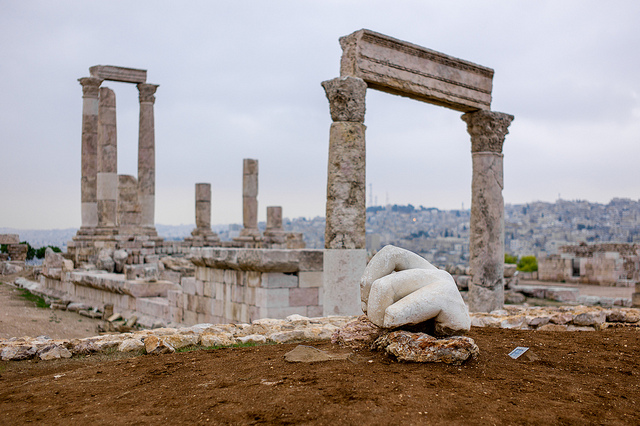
{"points": [[486, 244], [345, 240], [250, 199], [147, 154], [203, 205], [274, 219], [88, 183], [107, 177], [203, 235], [274, 235]]}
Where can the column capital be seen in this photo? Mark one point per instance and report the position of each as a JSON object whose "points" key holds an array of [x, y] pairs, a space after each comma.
{"points": [[346, 98], [147, 92], [487, 129], [90, 86]]}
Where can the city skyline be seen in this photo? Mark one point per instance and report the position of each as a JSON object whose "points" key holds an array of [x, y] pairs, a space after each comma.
{"points": [[242, 80]]}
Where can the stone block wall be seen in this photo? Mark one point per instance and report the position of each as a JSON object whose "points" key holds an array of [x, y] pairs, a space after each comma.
{"points": [[242, 285]]}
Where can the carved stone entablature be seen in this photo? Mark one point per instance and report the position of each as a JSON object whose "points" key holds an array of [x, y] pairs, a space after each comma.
{"points": [[346, 98], [487, 130], [147, 92], [401, 68], [123, 74], [90, 86]]}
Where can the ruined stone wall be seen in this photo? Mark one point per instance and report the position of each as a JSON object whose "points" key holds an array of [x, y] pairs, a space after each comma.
{"points": [[600, 264], [553, 268], [241, 285]]}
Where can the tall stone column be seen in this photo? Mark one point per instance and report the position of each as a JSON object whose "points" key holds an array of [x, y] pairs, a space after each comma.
{"points": [[88, 183], [107, 177], [486, 244], [250, 199], [147, 155], [345, 239]]}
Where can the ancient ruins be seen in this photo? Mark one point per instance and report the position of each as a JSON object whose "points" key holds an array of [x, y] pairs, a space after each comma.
{"points": [[376, 61], [608, 264], [117, 260]]}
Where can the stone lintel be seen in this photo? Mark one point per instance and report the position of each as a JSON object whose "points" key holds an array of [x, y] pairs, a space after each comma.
{"points": [[262, 260], [123, 74], [405, 69]]}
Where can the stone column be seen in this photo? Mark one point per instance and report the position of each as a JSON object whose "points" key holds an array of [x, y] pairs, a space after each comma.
{"points": [[345, 239], [486, 244], [147, 155], [274, 235], [250, 199], [107, 177], [274, 219], [88, 183], [203, 205]]}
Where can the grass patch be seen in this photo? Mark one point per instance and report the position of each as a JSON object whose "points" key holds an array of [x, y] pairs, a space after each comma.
{"points": [[192, 348], [37, 300]]}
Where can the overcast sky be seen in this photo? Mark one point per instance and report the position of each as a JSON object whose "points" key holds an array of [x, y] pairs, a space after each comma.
{"points": [[241, 79]]}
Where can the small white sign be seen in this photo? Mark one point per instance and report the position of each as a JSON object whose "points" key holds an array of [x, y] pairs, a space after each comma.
{"points": [[517, 352]]}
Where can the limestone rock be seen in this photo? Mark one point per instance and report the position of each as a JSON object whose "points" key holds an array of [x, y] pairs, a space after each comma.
{"points": [[623, 315], [156, 345], [131, 345], [253, 338], [105, 260], [590, 318], [220, 339], [178, 341], [292, 336], [420, 347], [178, 264], [360, 333], [399, 287], [53, 352], [120, 258], [17, 352]]}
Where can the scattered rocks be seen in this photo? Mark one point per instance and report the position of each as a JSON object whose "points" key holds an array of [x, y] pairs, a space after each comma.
{"points": [[350, 332]]}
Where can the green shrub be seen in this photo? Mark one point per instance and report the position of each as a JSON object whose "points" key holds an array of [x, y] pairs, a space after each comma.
{"points": [[510, 258], [528, 264]]}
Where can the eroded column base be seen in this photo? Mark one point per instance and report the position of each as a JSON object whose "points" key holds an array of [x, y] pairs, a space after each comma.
{"points": [[484, 299]]}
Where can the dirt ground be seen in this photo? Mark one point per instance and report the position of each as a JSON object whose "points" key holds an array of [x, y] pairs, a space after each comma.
{"points": [[577, 378], [571, 378], [20, 317]]}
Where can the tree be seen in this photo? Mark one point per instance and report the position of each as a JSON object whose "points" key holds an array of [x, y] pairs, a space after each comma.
{"points": [[508, 258], [528, 264]]}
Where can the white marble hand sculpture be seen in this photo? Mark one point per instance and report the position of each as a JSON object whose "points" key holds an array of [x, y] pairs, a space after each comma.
{"points": [[399, 287]]}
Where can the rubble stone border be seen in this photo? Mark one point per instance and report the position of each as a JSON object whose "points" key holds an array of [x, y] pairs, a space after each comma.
{"points": [[297, 329]]}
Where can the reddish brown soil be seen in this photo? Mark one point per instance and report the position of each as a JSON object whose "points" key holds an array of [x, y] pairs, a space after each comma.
{"points": [[578, 378]]}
